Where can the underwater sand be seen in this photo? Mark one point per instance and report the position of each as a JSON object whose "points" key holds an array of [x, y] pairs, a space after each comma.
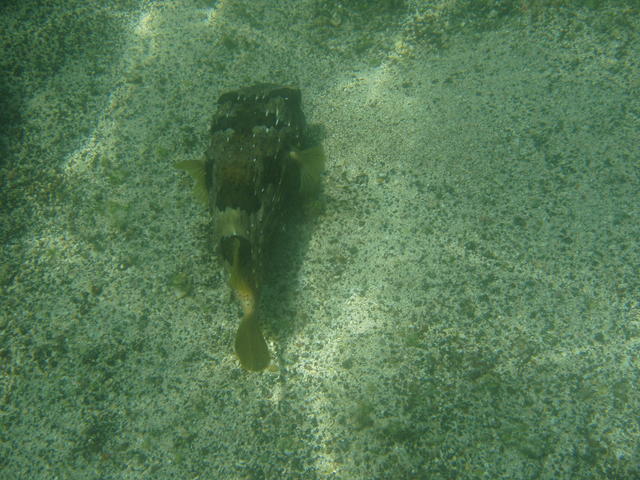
{"points": [[462, 300]]}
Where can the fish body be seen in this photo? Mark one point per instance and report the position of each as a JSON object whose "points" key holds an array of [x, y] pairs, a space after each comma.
{"points": [[256, 166]]}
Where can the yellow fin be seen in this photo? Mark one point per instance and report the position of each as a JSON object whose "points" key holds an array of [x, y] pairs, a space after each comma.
{"points": [[251, 348], [196, 169], [311, 162]]}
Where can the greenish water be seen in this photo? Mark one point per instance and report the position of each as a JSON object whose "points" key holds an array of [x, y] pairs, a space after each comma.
{"points": [[461, 301]]}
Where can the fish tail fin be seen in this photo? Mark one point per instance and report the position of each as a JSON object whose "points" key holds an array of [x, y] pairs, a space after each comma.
{"points": [[251, 347], [311, 163]]}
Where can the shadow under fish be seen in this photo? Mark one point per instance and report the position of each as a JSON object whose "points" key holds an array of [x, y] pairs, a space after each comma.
{"points": [[257, 166]]}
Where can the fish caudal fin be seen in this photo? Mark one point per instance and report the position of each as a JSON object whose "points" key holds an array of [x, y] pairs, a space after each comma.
{"points": [[251, 347]]}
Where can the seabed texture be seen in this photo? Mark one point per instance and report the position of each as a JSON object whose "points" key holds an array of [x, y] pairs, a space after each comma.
{"points": [[460, 302]]}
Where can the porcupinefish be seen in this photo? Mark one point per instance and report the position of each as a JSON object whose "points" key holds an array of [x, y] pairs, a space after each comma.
{"points": [[259, 161]]}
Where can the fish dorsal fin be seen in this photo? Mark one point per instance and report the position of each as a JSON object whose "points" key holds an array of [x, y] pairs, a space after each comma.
{"points": [[311, 164], [196, 168]]}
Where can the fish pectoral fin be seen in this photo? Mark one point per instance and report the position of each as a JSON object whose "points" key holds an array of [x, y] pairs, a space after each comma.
{"points": [[196, 168], [311, 163], [251, 347]]}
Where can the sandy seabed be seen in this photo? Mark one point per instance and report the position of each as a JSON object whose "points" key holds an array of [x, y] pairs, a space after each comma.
{"points": [[460, 302]]}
